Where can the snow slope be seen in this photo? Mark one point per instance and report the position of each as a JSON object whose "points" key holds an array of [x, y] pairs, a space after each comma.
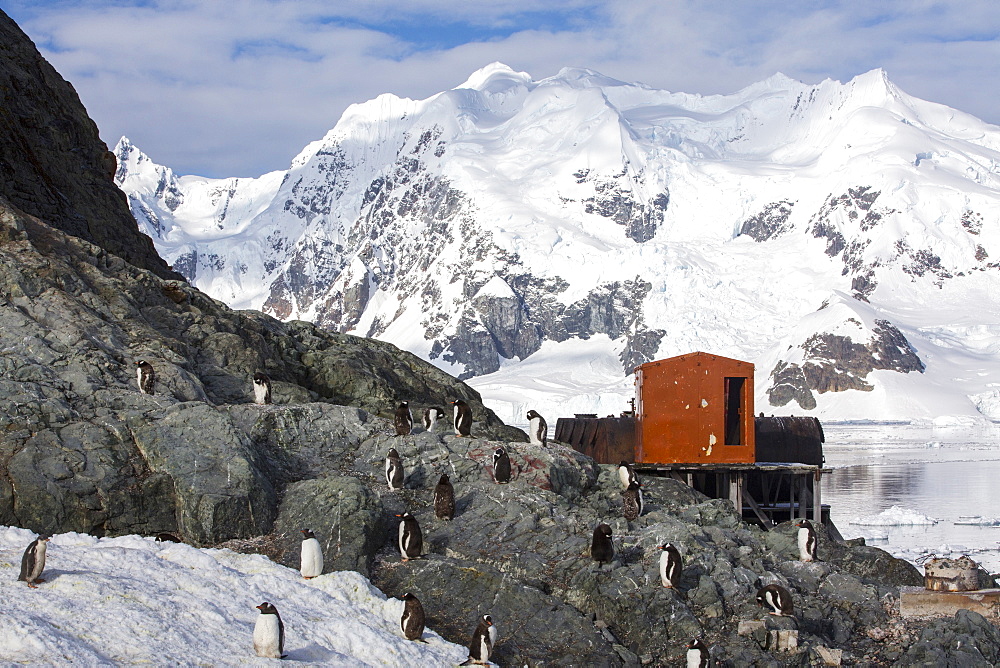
{"points": [[542, 238], [129, 600]]}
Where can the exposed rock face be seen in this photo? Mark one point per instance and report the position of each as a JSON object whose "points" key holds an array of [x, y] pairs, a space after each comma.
{"points": [[53, 164], [82, 450], [769, 223], [834, 363]]}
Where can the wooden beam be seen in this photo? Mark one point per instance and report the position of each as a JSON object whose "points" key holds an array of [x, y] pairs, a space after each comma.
{"points": [[765, 521]]}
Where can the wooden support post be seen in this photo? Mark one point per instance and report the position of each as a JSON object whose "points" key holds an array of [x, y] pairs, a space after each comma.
{"points": [[817, 497], [735, 487]]}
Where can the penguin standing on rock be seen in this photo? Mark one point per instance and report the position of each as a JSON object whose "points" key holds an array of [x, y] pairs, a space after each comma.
{"points": [[311, 562], [463, 418], [431, 416], [413, 619], [269, 633], [145, 376], [697, 654], [670, 566], [632, 500], [393, 469], [411, 541], [33, 561], [261, 388], [626, 474], [776, 600], [444, 499], [602, 549], [403, 420], [501, 465], [484, 639], [538, 429], [807, 541]]}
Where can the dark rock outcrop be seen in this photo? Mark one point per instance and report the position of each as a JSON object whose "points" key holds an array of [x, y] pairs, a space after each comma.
{"points": [[835, 363], [53, 164], [82, 450]]}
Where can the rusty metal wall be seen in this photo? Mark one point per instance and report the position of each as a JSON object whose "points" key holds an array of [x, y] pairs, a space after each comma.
{"points": [[680, 408]]}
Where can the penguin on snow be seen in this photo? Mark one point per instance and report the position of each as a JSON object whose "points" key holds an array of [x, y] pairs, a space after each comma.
{"points": [[145, 376], [33, 561], [444, 499], [413, 619], [393, 469], [501, 465], [269, 633], [484, 639], [311, 562], [632, 500], [538, 429], [626, 474], [431, 416], [697, 654], [411, 541], [807, 541], [462, 415], [403, 420], [670, 566], [776, 600], [602, 549], [261, 388]]}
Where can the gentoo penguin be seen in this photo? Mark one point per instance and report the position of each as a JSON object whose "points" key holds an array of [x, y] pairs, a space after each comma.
{"points": [[538, 429], [697, 654], [501, 465], [632, 499], [602, 550], [670, 566], [261, 388], [463, 418], [33, 561], [394, 469], [444, 499], [432, 415], [412, 621], [311, 563], [807, 541], [626, 474], [411, 542], [484, 639], [775, 599], [269, 633], [146, 377], [403, 420]]}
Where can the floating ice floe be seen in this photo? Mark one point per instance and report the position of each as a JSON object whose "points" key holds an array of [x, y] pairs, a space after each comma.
{"points": [[895, 516], [979, 521]]}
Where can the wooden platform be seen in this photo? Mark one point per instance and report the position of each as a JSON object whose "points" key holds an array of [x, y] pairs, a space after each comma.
{"points": [[917, 602], [765, 492]]}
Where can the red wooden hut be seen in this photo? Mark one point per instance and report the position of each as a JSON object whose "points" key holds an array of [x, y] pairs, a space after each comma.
{"points": [[694, 409]]}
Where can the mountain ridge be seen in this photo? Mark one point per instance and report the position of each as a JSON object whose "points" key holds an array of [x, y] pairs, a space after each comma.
{"points": [[657, 219]]}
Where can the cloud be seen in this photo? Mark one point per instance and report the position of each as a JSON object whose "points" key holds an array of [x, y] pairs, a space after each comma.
{"points": [[239, 87]]}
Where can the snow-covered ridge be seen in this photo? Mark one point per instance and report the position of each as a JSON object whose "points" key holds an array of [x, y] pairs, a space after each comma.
{"points": [[834, 234], [127, 600]]}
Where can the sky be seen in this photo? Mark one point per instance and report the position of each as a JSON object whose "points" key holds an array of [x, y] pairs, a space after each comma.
{"points": [[238, 88]]}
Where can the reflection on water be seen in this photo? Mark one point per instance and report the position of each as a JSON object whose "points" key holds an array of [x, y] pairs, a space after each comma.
{"points": [[944, 474]]}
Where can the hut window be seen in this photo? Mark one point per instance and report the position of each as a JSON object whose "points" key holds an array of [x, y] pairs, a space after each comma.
{"points": [[734, 411]]}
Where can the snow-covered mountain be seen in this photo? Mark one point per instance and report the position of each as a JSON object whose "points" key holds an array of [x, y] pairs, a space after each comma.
{"points": [[541, 238]]}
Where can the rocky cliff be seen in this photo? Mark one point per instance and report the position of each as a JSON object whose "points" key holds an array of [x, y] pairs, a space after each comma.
{"points": [[53, 163]]}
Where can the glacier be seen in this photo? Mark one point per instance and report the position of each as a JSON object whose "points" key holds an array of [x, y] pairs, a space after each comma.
{"points": [[541, 238]]}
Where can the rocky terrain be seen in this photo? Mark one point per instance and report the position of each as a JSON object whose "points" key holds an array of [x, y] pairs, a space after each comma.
{"points": [[81, 449]]}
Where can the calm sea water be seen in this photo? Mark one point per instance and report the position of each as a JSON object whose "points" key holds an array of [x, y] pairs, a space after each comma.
{"points": [[945, 473]]}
